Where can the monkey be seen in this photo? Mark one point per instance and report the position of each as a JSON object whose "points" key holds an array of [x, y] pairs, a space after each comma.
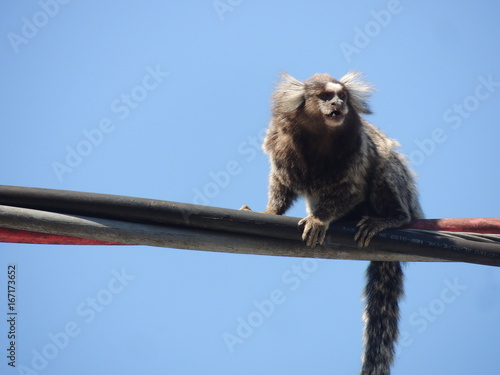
{"points": [[321, 148]]}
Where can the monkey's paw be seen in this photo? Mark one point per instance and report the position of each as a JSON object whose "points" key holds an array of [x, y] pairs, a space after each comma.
{"points": [[245, 208], [367, 229], [313, 230]]}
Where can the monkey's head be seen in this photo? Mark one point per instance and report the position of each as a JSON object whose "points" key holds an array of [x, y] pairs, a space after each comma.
{"points": [[322, 98], [327, 98]]}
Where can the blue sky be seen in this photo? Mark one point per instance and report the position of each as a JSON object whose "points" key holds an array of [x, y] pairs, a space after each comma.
{"points": [[153, 99]]}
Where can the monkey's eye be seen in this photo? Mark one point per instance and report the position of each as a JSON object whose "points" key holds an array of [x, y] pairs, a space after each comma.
{"points": [[326, 96], [341, 95]]}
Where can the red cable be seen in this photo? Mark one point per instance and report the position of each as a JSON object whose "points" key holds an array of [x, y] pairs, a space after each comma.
{"points": [[472, 225], [24, 236]]}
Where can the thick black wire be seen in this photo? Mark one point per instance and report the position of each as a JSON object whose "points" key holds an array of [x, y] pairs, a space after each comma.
{"points": [[448, 246]]}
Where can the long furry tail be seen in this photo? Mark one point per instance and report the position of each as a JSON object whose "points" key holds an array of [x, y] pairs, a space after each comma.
{"points": [[383, 291]]}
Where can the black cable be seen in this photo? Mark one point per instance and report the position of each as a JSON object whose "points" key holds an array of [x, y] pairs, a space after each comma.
{"points": [[448, 246]]}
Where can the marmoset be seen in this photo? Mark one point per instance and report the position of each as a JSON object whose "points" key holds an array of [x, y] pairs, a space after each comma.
{"points": [[320, 147]]}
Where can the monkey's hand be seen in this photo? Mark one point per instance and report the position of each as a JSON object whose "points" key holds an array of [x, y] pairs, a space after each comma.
{"points": [[368, 227], [313, 230], [266, 211]]}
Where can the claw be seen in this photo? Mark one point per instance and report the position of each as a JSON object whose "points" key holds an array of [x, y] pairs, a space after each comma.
{"points": [[245, 208], [367, 229], [313, 230]]}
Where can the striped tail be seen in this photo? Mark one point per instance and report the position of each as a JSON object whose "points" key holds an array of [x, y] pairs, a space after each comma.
{"points": [[383, 291]]}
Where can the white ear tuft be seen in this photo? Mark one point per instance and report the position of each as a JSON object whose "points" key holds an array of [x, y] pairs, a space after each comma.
{"points": [[359, 91], [289, 93]]}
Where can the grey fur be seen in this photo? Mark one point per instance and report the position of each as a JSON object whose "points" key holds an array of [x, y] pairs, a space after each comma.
{"points": [[321, 148]]}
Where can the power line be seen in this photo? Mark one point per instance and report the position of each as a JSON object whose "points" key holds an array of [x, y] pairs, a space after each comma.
{"points": [[141, 221]]}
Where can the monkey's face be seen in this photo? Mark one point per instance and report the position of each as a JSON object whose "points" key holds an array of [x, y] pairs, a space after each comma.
{"points": [[331, 102], [322, 100]]}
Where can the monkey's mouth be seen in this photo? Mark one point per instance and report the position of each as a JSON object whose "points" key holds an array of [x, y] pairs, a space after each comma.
{"points": [[335, 115]]}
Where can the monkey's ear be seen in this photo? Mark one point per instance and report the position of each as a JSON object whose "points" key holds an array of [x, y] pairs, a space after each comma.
{"points": [[359, 91], [289, 93]]}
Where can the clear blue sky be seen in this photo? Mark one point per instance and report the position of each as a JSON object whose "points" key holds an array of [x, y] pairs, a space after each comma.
{"points": [[152, 99]]}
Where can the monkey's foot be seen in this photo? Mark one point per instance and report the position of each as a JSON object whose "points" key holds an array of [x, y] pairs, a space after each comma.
{"points": [[245, 208], [313, 230], [368, 228]]}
